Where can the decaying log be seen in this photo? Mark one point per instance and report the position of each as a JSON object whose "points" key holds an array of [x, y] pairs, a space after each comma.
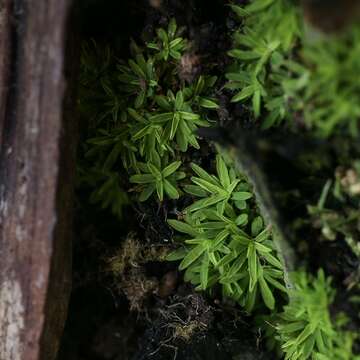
{"points": [[36, 166], [5, 54]]}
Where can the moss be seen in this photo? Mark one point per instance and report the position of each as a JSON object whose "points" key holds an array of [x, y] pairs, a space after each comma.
{"points": [[186, 332], [127, 256], [145, 129], [128, 268]]}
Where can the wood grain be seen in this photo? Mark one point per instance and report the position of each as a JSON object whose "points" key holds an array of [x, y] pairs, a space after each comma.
{"points": [[5, 55], [36, 167]]}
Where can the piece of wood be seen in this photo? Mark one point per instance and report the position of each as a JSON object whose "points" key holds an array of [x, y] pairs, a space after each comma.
{"points": [[5, 55], [36, 177]]}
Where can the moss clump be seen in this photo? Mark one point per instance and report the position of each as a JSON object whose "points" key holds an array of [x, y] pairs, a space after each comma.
{"points": [[146, 129], [285, 74]]}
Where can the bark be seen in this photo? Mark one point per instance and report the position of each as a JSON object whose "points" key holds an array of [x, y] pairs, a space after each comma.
{"points": [[36, 165], [5, 54]]}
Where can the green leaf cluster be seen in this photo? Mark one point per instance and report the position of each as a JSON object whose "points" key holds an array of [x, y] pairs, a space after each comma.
{"points": [[305, 329], [169, 44], [108, 191], [99, 97], [226, 241], [283, 74], [161, 180], [144, 112], [138, 78], [331, 96], [262, 57]]}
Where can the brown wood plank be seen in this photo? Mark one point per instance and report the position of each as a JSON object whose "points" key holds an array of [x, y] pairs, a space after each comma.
{"points": [[35, 189], [5, 54]]}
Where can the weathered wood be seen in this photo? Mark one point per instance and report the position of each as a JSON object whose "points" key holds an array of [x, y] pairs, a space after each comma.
{"points": [[36, 166], [5, 54]]}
